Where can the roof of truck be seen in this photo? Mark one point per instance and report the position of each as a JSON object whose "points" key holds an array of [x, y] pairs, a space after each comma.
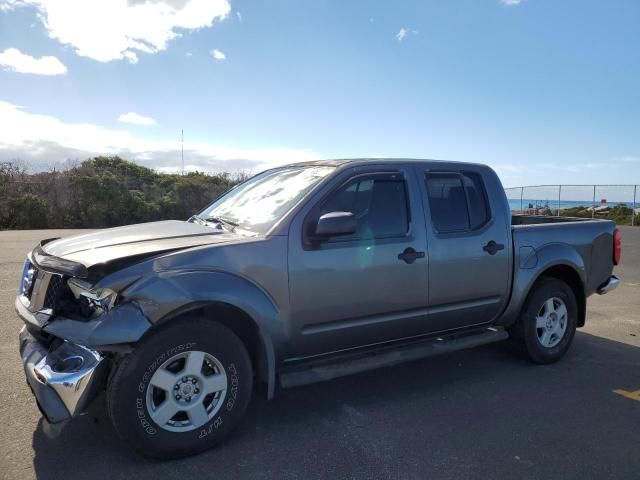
{"points": [[359, 161]]}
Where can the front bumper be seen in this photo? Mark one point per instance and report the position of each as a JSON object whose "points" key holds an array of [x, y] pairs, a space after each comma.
{"points": [[64, 379]]}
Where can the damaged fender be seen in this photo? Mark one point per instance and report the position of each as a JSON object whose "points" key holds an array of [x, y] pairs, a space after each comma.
{"points": [[165, 295], [122, 324]]}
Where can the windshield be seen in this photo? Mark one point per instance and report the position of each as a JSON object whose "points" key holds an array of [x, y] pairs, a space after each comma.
{"points": [[257, 204]]}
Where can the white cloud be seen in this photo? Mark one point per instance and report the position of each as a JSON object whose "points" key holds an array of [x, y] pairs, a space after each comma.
{"points": [[43, 141], [136, 119], [218, 55], [511, 2], [402, 34], [7, 5], [120, 29], [239, 15], [14, 60], [131, 56]]}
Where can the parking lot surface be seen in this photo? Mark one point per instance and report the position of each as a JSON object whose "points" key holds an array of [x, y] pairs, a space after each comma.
{"points": [[484, 413]]}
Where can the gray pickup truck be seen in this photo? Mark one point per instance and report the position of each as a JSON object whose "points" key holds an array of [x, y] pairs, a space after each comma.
{"points": [[303, 273]]}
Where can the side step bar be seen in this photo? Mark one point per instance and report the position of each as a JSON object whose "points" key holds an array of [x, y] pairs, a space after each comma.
{"points": [[356, 363]]}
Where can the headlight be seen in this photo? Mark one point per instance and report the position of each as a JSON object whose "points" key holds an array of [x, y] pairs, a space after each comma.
{"points": [[98, 301], [103, 299], [27, 279]]}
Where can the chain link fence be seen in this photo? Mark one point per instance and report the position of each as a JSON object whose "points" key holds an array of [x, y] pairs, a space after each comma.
{"points": [[620, 203]]}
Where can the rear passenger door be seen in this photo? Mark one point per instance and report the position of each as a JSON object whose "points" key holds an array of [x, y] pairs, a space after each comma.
{"points": [[469, 264]]}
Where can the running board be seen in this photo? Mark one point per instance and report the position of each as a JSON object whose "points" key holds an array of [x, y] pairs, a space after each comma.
{"points": [[355, 363]]}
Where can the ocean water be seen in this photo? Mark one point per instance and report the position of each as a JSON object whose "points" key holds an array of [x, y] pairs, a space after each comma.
{"points": [[514, 203]]}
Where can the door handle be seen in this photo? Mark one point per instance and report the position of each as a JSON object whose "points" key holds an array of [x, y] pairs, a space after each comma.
{"points": [[492, 247], [410, 255]]}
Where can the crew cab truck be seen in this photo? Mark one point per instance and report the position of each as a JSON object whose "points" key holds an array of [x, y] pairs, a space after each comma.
{"points": [[303, 273]]}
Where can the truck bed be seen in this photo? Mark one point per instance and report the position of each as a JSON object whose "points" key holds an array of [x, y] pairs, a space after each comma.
{"points": [[538, 219], [584, 243]]}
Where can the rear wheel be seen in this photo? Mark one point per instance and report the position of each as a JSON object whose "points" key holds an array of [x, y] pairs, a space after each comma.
{"points": [[548, 321], [183, 389]]}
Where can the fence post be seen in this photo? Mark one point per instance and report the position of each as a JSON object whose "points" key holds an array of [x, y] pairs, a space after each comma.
{"points": [[633, 210], [559, 196], [521, 204], [593, 207]]}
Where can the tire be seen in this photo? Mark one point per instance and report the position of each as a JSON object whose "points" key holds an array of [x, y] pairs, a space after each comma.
{"points": [[169, 357], [544, 307]]}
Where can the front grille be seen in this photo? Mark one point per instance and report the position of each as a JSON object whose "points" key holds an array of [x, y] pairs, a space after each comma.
{"points": [[54, 291]]}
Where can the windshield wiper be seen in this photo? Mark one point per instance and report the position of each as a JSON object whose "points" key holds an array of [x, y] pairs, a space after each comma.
{"points": [[197, 219], [223, 222], [230, 224]]}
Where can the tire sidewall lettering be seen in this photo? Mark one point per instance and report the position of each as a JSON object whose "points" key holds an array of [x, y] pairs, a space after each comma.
{"points": [[233, 383], [213, 426]]}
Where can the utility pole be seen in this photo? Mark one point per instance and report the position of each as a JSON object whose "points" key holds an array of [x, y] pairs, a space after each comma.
{"points": [[182, 149]]}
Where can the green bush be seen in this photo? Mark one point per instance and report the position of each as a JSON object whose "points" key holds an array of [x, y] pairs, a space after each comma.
{"points": [[27, 211], [103, 192], [621, 214]]}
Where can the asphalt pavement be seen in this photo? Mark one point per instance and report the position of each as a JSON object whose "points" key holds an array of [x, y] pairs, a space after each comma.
{"points": [[485, 413]]}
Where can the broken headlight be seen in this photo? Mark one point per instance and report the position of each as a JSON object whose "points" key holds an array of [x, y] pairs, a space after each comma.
{"points": [[93, 302]]}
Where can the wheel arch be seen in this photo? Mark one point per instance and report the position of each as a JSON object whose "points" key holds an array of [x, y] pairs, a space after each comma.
{"points": [[258, 344], [236, 302], [556, 260], [570, 276]]}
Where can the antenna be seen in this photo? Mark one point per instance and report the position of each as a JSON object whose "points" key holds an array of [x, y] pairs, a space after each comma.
{"points": [[182, 148]]}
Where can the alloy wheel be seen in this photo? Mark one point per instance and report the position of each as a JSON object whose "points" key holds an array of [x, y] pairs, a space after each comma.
{"points": [[551, 322], [186, 391]]}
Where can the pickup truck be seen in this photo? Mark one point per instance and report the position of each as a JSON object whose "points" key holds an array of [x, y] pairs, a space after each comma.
{"points": [[303, 273]]}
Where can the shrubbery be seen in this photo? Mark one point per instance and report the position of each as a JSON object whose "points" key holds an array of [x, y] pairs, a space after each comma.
{"points": [[621, 214], [102, 192]]}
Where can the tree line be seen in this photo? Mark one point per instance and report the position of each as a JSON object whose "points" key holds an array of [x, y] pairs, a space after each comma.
{"points": [[103, 192]]}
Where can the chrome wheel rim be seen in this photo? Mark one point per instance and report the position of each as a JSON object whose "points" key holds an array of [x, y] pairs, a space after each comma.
{"points": [[551, 322], [186, 391]]}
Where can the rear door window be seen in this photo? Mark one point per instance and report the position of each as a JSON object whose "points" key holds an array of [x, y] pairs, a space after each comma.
{"points": [[447, 202], [457, 201]]}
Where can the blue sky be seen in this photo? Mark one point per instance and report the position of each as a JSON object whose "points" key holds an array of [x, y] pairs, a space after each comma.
{"points": [[545, 91]]}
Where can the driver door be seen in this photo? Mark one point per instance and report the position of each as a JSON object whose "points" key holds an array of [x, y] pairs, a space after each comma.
{"points": [[360, 289]]}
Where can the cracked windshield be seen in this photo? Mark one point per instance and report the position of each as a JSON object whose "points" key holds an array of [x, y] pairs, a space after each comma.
{"points": [[259, 203]]}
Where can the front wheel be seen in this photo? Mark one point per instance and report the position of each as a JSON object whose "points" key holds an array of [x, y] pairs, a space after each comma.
{"points": [[548, 321], [183, 389]]}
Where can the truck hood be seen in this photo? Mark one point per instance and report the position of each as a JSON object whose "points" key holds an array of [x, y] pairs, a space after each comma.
{"points": [[111, 244]]}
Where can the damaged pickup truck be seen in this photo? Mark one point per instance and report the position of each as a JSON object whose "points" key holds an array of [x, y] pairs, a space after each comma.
{"points": [[303, 273]]}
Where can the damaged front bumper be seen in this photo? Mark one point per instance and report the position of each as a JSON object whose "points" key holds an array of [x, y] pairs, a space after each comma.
{"points": [[64, 378], [62, 359]]}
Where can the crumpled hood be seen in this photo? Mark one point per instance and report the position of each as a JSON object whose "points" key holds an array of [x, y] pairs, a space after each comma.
{"points": [[110, 244]]}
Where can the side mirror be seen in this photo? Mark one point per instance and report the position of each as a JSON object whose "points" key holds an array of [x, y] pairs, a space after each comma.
{"points": [[336, 223]]}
